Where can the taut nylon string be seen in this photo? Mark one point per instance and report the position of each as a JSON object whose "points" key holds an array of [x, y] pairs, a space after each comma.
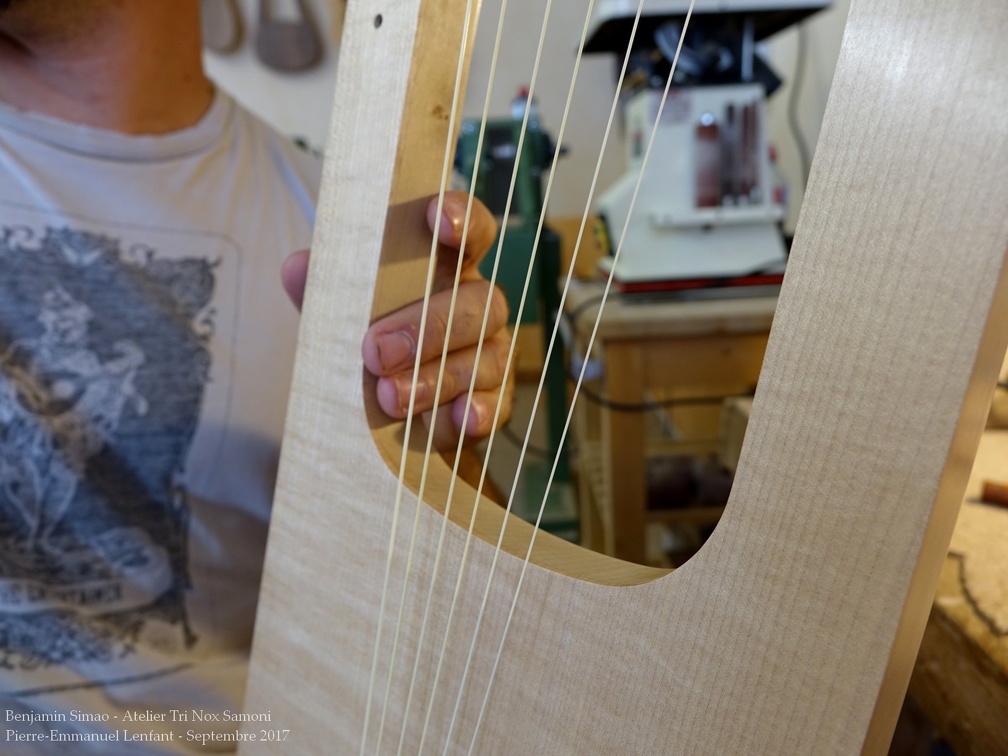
{"points": [[542, 380], [511, 350], [428, 287], [591, 342], [476, 360], [581, 374], [471, 388]]}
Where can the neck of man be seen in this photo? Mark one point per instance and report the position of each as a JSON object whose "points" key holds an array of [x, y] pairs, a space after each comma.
{"points": [[127, 66]]}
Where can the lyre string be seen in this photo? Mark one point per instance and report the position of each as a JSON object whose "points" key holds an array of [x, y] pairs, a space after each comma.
{"points": [[428, 288], [436, 402], [535, 403], [588, 348], [511, 351], [476, 359], [508, 361], [507, 368], [429, 448]]}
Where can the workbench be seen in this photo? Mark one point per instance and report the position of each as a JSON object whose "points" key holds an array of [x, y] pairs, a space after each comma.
{"points": [[960, 678], [653, 352]]}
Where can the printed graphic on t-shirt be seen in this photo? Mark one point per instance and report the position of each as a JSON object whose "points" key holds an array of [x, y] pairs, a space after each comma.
{"points": [[104, 363]]}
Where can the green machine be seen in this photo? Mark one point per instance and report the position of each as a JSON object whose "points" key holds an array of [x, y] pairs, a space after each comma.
{"points": [[496, 163]]}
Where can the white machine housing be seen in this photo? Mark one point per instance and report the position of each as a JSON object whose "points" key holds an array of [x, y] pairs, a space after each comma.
{"points": [[670, 235], [673, 235]]}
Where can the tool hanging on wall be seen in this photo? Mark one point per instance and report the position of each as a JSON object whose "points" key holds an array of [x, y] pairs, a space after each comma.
{"points": [[288, 44], [222, 25]]}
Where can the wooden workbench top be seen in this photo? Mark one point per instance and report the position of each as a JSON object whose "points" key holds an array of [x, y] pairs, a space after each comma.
{"points": [[978, 602], [637, 316], [961, 675]]}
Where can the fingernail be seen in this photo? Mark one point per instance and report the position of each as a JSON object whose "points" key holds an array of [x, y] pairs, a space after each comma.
{"points": [[403, 386], [452, 218], [477, 417], [395, 350]]}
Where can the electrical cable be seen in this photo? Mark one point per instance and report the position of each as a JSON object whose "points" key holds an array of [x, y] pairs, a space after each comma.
{"points": [[591, 303], [515, 439], [653, 404]]}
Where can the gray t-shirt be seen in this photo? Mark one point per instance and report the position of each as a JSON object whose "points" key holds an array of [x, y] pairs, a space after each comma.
{"points": [[146, 346]]}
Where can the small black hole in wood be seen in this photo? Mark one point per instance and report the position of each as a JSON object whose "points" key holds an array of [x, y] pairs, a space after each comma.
{"points": [[377, 21]]}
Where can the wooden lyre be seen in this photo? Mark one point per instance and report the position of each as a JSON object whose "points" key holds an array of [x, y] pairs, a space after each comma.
{"points": [[795, 627]]}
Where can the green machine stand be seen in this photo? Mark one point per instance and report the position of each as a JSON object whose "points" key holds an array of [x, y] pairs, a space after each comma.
{"points": [[493, 179]]}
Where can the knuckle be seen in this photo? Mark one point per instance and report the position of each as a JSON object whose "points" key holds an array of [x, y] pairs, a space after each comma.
{"points": [[500, 306], [436, 330], [479, 293], [501, 362], [443, 384]]}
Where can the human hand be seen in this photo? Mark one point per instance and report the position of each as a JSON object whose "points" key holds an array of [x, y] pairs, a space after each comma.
{"points": [[389, 347]]}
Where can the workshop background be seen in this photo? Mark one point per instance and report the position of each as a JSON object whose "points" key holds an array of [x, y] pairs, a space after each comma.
{"points": [[299, 103]]}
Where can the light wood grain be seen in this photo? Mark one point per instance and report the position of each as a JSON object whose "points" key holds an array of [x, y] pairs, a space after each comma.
{"points": [[795, 627]]}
